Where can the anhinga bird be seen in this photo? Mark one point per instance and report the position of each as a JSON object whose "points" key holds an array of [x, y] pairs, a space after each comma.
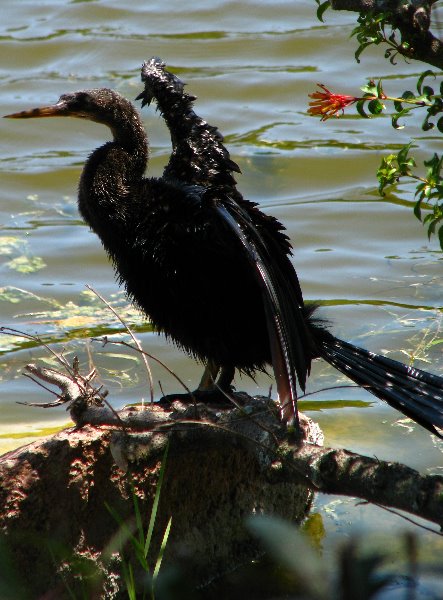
{"points": [[207, 267]]}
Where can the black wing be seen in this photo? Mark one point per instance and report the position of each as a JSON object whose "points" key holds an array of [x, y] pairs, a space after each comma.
{"points": [[199, 157], [198, 154]]}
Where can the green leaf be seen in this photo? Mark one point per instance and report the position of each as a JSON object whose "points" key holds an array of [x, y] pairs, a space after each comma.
{"points": [[370, 89], [431, 228], [360, 50], [392, 56], [408, 95], [417, 209], [428, 218], [440, 237], [380, 92], [314, 528], [426, 125], [403, 153], [403, 113], [125, 527], [427, 73], [387, 173], [158, 562], [128, 576], [427, 92], [322, 7], [289, 548], [395, 119], [360, 109], [375, 107]]}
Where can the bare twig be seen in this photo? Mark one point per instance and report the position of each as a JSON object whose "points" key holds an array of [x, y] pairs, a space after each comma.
{"points": [[134, 339], [35, 338], [105, 340]]}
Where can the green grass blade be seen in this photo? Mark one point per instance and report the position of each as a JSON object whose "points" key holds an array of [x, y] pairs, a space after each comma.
{"points": [[125, 527], [158, 563], [162, 550], [156, 502], [138, 517], [128, 575]]}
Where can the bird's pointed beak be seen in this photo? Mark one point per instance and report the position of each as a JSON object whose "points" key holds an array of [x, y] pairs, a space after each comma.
{"points": [[55, 110]]}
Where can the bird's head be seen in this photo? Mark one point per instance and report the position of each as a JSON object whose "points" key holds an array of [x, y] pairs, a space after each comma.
{"points": [[100, 105]]}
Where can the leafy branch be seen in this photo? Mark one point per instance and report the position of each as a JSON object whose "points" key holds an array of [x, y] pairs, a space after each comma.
{"points": [[404, 26], [371, 30], [385, 27], [429, 188]]}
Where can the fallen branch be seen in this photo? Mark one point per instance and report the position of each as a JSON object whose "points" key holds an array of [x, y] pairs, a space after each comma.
{"points": [[331, 471], [391, 484]]}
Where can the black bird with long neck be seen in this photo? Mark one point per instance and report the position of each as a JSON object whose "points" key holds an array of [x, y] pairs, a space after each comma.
{"points": [[208, 268]]}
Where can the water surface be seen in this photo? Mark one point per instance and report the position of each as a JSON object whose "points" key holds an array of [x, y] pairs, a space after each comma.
{"points": [[251, 64]]}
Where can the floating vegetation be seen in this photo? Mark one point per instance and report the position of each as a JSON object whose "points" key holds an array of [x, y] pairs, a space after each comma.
{"points": [[26, 264], [24, 261], [87, 316]]}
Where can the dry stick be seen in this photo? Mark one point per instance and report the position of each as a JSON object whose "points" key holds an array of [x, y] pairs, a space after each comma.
{"points": [[35, 338], [332, 387], [134, 339], [82, 383], [92, 366], [339, 471], [105, 340], [406, 518], [72, 388], [59, 401], [300, 469], [230, 398]]}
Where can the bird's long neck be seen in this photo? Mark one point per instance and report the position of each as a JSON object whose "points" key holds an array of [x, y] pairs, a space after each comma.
{"points": [[112, 174]]}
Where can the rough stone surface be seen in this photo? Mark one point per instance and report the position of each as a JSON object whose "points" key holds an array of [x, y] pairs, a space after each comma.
{"points": [[220, 469]]}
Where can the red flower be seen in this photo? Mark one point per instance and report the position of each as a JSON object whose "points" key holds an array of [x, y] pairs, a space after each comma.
{"points": [[328, 104]]}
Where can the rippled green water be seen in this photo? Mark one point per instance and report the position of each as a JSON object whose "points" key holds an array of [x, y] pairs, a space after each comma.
{"points": [[252, 65]]}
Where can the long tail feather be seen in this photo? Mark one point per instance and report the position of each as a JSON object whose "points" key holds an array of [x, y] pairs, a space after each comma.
{"points": [[415, 393]]}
